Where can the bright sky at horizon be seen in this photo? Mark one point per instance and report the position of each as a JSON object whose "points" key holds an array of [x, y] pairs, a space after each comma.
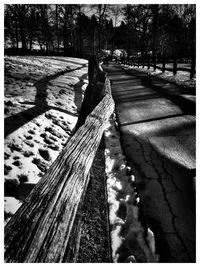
{"points": [[113, 11]]}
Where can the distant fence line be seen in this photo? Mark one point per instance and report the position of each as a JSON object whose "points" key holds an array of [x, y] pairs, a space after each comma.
{"points": [[161, 64]]}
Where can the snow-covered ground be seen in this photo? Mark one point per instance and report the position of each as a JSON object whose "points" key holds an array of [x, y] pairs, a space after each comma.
{"points": [[181, 78], [43, 96], [130, 241], [42, 100]]}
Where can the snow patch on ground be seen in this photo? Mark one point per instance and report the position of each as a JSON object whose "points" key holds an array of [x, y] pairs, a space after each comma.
{"points": [[11, 205], [40, 134], [131, 242], [181, 78], [43, 97]]}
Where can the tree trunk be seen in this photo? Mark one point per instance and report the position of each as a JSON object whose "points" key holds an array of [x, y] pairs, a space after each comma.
{"points": [[22, 23], [155, 29], [57, 30], [80, 33], [127, 31], [23, 39], [65, 43], [16, 31]]}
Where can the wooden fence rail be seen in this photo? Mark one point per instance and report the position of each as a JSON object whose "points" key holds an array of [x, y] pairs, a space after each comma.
{"points": [[149, 62], [40, 230]]}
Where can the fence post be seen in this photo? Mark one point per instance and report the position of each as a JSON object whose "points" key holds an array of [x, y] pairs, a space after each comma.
{"points": [[175, 66], [163, 64], [193, 64], [94, 91]]}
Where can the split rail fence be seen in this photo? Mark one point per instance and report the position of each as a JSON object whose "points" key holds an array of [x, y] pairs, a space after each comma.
{"points": [[42, 229], [164, 64]]}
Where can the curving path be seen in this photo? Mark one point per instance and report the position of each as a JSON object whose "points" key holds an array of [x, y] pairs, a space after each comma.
{"points": [[157, 126]]}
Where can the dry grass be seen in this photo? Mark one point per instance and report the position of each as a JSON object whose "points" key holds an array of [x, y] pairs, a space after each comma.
{"points": [[94, 243]]}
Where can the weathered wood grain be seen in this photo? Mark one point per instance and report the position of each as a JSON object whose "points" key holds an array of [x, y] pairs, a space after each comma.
{"points": [[39, 231], [72, 249]]}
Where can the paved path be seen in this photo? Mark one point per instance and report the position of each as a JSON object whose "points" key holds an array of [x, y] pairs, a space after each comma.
{"points": [[157, 127]]}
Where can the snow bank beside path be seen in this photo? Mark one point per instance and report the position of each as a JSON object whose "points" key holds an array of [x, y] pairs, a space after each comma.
{"points": [[43, 96], [131, 240], [181, 78]]}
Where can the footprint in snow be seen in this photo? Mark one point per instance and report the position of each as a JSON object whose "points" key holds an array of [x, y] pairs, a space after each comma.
{"points": [[40, 164], [16, 157], [53, 138], [54, 147], [14, 147], [45, 154], [59, 103], [31, 132], [53, 132], [6, 156], [28, 153], [17, 163], [29, 143], [7, 169], [28, 137], [22, 178], [48, 141]]}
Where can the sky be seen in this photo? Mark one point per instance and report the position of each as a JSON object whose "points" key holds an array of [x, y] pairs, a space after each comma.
{"points": [[89, 10]]}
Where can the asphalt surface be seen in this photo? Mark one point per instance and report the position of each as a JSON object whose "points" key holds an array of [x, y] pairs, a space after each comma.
{"points": [[157, 124]]}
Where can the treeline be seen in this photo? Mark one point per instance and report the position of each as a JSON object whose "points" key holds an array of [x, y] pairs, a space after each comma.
{"points": [[162, 29], [86, 29], [57, 28]]}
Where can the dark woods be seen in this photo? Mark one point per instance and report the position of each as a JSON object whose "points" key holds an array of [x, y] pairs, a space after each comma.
{"points": [[81, 30]]}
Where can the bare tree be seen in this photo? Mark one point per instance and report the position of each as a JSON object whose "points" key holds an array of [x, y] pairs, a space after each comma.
{"points": [[116, 11]]}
